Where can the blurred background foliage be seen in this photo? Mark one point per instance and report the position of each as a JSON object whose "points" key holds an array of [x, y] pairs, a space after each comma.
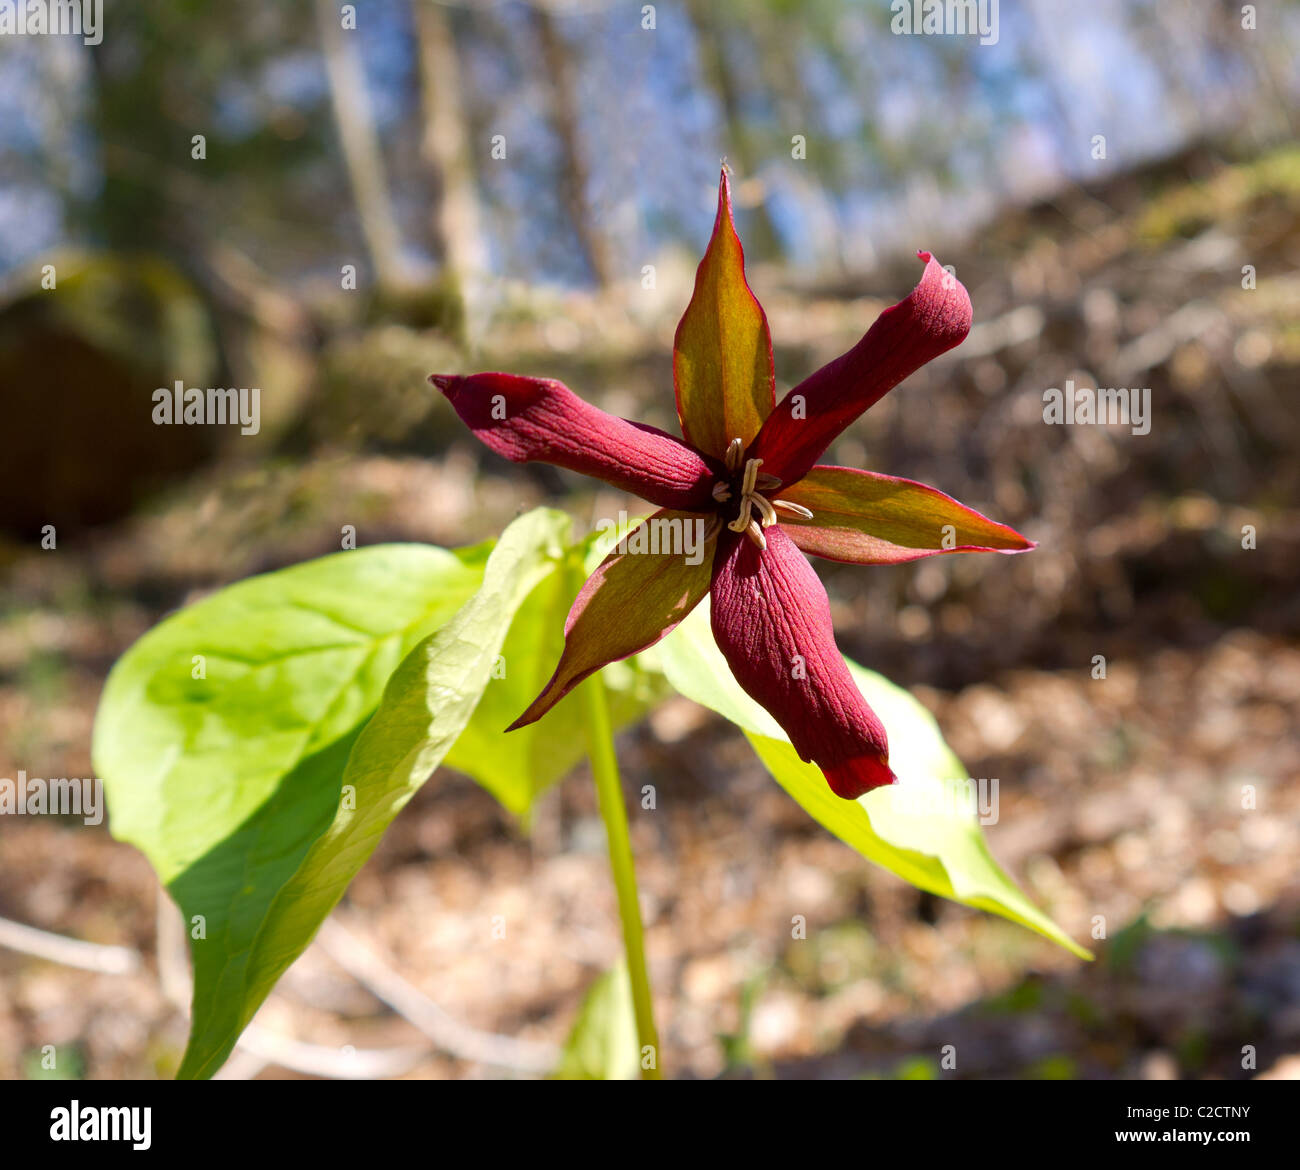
{"points": [[527, 186]]}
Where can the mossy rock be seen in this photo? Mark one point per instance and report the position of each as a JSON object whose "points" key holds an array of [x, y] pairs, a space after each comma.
{"points": [[79, 364], [375, 391]]}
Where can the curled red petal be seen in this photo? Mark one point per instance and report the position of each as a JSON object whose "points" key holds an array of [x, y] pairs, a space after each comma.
{"points": [[772, 621], [934, 317], [636, 595], [527, 419], [868, 519]]}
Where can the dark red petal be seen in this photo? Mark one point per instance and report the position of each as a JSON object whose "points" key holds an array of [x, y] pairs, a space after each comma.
{"points": [[528, 419], [932, 319], [772, 621], [633, 599], [869, 519]]}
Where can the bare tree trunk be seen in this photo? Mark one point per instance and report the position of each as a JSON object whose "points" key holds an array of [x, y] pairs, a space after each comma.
{"points": [[717, 70], [557, 59], [457, 221], [361, 153]]}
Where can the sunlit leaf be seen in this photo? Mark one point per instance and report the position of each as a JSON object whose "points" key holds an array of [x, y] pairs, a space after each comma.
{"points": [[425, 704], [603, 1044], [920, 835], [246, 704]]}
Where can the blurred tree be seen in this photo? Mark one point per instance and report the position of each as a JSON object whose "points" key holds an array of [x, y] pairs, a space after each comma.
{"points": [[575, 172], [360, 147], [456, 221], [716, 25]]}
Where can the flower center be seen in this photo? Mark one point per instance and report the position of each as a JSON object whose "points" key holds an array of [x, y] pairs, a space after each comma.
{"points": [[753, 483]]}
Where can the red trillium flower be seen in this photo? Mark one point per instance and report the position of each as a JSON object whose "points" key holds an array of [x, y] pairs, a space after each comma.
{"points": [[748, 469]]}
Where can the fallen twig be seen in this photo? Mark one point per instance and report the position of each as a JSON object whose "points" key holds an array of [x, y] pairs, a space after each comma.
{"points": [[448, 1034], [70, 952]]}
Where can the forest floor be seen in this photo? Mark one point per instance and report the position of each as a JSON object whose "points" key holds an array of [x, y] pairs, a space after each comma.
{"points": [[1153, 812]]}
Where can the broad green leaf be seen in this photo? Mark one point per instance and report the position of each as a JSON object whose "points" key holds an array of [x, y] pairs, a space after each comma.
{"points": [[225, 778], [722, 353], [426, 703], [942, 851], [224, 781], [603, 1044]]}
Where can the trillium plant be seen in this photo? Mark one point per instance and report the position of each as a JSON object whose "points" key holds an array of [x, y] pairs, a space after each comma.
{"points": [[257, 744], [748, 467]]}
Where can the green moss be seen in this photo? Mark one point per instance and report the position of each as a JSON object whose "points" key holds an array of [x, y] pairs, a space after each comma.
{"points": [[1187, 210]]}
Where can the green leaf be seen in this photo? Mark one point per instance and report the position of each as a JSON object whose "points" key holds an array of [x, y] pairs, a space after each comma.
{"points": [[226, 780], [425, 705], [292, 664], [939, 851], [722, 352], [603, 1044]]}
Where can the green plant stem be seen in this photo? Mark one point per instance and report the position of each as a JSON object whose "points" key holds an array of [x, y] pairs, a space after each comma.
{"points": [[609, 790]]}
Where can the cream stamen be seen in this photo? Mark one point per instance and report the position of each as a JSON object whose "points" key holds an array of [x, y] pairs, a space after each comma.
{"points": [[752, 485], [765, 509], [793, 509], [742, 520]]}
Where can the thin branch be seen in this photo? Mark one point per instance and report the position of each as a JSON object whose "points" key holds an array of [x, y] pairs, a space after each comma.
{"points": [[447, 1033], [70, 952], [257, 1046], [344, 1064]]}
